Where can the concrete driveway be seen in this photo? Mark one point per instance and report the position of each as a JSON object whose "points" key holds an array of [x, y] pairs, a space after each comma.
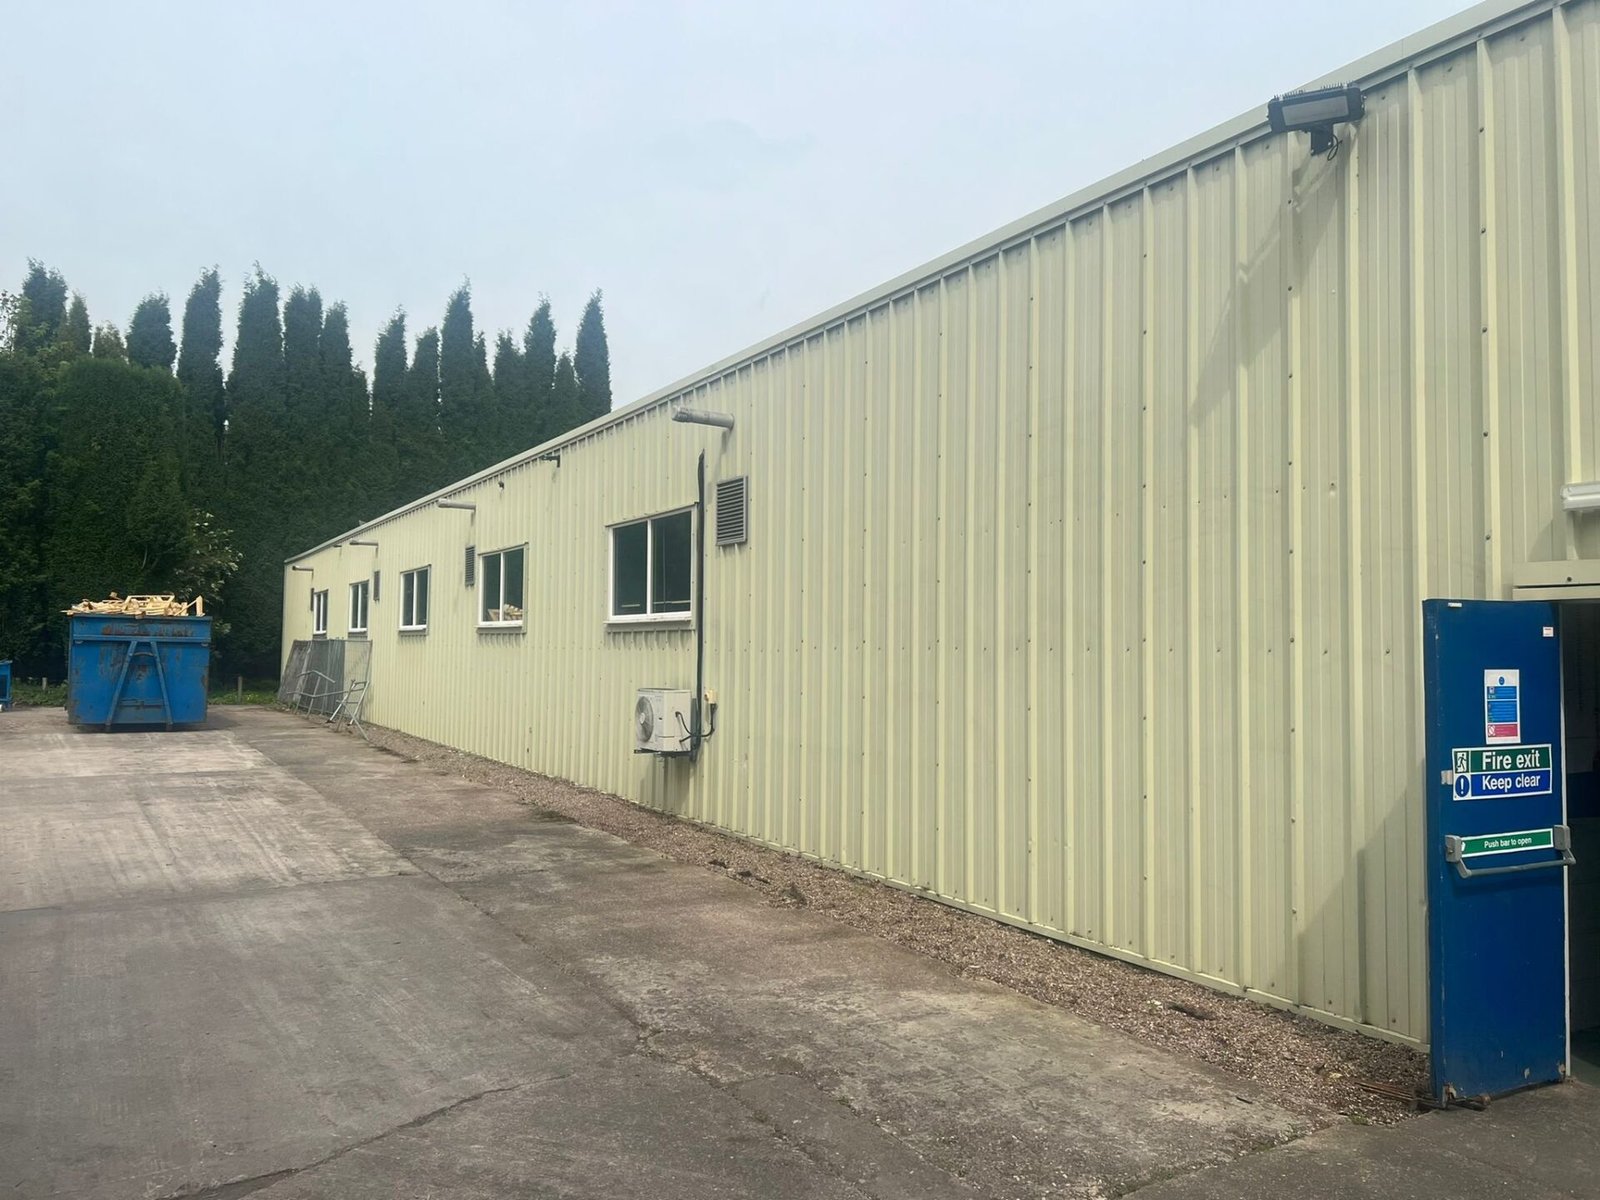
{"points": [[263, 958]]}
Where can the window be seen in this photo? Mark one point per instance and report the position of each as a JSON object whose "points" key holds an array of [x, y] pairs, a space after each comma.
{"points": [[359, 595], [414, 600], [652, 568], [319, 613], [500, 587]]}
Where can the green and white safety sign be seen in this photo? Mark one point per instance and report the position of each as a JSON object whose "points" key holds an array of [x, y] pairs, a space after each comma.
{"points": [[1503, 772], [1505, 843]]}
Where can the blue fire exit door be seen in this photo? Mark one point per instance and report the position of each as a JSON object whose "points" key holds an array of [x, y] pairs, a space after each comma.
{"points": [[1497, 846]]}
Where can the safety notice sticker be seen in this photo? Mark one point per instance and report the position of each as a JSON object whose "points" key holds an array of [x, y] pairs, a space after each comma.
{"points": [[1502, 707], [1503, 772], [1507, 843]]}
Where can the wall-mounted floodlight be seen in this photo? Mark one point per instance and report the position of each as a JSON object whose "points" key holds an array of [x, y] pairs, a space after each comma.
{"points": [[695, 416], [307, 570], [461, 504], [1316, 112], [552, 457], [356, 542], [1580, 497]]}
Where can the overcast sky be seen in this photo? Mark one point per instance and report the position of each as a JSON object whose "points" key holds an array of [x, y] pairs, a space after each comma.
{"points": [[721, 170]]}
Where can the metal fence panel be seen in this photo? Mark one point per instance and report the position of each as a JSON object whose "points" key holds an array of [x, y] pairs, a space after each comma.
{"points": [[320, 672]]}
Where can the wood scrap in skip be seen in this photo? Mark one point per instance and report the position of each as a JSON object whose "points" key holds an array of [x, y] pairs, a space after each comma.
{"points": [[141, 606]]}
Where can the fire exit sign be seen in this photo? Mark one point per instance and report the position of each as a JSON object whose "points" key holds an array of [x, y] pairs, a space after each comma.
{"points": [[1503, 772]]}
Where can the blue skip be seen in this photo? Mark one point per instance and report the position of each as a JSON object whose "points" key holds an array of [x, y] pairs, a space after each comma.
{"points": [[129, 671]]}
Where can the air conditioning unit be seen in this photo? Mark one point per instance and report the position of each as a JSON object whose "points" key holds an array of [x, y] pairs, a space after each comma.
{"points": [[661, 721]]}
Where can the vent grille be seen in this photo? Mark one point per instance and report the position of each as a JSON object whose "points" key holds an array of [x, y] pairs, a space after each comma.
{"points": [[472, 566], [733, 511], [377, 578]]}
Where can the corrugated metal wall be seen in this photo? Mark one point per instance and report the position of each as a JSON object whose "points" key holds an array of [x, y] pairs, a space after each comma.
{"points": [[1083, 575]]}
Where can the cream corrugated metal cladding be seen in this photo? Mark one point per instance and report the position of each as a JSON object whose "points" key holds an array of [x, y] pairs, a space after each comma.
{"points": [[1084, 565]]}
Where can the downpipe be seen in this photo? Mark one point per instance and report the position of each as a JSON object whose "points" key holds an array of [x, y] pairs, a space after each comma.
{"points": [[697, 732]]}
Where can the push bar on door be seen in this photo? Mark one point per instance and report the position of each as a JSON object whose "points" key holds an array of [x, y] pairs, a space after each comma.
{"points": [[1560, 841]]}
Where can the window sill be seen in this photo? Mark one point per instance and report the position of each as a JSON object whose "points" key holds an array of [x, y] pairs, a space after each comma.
{"points": [[499, 626], [323, 636], [666, 622], [413, 630], [356, 633]]}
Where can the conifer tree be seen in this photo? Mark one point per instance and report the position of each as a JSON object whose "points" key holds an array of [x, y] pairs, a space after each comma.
{"points": [[261, 465], [566, 398], [339, 369], [389, 367], [422, 380], [367, 499], [460, 414], [150, 341], [115, 518], [592, 362], [76, 336], [308, 466], [302, 363], [486, 442], [256, 377], [108, 343], [419, 456], [25, 614], [510, 392], [41, 309], [388, 396], [200, 373], [535, 421], [315, 414], [344, 391]]}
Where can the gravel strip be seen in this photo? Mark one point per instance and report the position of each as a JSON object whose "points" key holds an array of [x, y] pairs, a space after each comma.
{"points": [[1310, 1068]]}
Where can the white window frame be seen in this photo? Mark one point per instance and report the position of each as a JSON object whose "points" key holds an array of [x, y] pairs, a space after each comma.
{"points": [[362, 589], [501, 575], [651, 618], [411, 577], [319, 613]]}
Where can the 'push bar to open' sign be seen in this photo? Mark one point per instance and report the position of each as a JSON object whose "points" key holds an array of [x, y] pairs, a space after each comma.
{"points": [[1506, 843]]}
